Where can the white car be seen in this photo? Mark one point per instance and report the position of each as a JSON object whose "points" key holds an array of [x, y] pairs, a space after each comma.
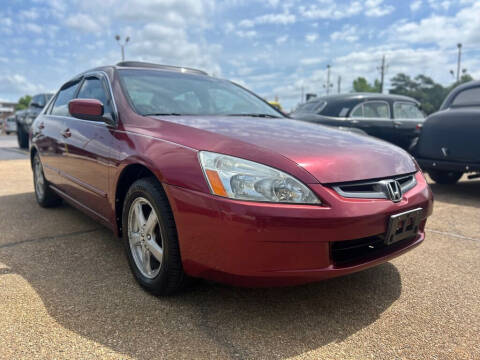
{"points": [[10, 126]]}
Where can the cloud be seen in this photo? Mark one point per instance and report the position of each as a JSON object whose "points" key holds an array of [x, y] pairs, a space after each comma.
{"points": [[311, 37], [246, 34], [83, 22], [278, 19], [348, 33], [281, 39], [376, 8], [17, 84], [444, 31], [416, 5], [312, 61], [333, 10], [330, 9]]}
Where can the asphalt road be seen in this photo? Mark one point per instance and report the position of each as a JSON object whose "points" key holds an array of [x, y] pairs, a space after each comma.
{"points": [[66, 293]]}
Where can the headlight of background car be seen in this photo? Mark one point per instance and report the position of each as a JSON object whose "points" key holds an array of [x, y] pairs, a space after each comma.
{"points": [[241, 179]]}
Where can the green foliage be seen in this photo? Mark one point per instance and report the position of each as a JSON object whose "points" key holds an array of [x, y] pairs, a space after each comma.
{"points": [[424, 89], [361, 85], [23, 102]]}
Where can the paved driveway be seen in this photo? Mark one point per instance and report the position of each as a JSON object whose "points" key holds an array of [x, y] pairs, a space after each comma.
{"points": [[66, 293]]}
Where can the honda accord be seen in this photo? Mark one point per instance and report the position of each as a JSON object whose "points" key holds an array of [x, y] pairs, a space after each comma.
{"points": [[202, 178]]}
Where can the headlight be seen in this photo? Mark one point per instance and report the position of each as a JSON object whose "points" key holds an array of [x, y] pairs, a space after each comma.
{"points": [[241, 179]]}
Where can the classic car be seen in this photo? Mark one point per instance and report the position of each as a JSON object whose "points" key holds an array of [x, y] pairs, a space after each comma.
{"points": [[202, 178], [449, 145], [394, 118]]}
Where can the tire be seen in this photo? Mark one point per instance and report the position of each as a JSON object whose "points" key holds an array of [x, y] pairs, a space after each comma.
{"points": [[163, 275], [22, 137], [45, 196], [445, 177], [7, 132]]}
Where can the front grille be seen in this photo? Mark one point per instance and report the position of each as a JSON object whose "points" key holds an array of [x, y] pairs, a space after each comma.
{"points": [[373, 189], [351, 252]]}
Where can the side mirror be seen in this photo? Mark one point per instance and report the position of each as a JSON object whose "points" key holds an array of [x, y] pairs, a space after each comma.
{"points": [[36, 104], [89, 109]]}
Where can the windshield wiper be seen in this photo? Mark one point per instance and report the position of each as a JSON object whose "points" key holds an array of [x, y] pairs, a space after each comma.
{"points": [[256, 115], [163, 114]]}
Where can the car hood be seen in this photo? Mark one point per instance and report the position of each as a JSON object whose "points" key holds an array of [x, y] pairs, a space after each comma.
{"points": [[328, 154]]}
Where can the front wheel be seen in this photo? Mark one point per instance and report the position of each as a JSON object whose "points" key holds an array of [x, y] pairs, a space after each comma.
{"points": [[445, 177], [45, 196], [22, 138], [150, 238]]}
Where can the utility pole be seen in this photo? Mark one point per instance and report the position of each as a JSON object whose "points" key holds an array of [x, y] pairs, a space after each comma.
{"points": [[122, 45], [328, 85], [459, 46], [301, 96], [382, 68], [339, 84]]}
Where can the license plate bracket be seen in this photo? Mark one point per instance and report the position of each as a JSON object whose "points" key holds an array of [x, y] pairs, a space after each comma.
{"points": [[403, 225]]}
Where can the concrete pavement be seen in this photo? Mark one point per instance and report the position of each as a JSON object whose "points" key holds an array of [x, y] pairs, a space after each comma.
{"points": [[66, 293]]}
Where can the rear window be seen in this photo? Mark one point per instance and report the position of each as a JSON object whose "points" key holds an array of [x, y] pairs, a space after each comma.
{"points": [[314, 107], [467, 97]]}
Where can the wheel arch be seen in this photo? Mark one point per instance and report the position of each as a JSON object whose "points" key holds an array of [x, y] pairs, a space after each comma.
{"points": [[129, 174], [33, 151]]}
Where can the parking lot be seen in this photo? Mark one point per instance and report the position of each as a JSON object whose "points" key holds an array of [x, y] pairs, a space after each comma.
{"points": [[66, 293]]}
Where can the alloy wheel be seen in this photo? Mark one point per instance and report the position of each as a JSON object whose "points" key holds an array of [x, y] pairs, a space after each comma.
{"points": [[144, 236]]}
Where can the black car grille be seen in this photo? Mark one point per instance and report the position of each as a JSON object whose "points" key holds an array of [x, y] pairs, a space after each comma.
{"points": [[351, 252]]}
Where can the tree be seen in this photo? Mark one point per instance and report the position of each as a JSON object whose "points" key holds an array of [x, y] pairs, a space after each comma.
{"points": [[361, 84], [23, 102]]}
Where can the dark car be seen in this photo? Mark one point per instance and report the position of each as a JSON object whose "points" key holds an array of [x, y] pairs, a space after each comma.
{"points": [[394, 118], [204, 178], [24, 118], [449, 144]]}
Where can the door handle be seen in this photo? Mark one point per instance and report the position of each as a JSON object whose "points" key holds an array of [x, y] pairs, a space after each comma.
{"points": [[41, 126], [354, 121], [66, 133]]}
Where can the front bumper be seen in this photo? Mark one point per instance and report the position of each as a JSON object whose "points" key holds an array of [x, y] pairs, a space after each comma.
{"points": [[442, 165], [264, 244]]}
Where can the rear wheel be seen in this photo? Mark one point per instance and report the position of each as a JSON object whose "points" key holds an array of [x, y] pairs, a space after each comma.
{"points": [[22, 138], [45, 196], [150, 238], [445, 177]]}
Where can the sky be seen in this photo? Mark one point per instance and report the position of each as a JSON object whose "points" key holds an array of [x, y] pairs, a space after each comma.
{"points": [[275, 48]]}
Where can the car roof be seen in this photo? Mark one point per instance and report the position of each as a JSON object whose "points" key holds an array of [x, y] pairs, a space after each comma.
{"points": [[452, 94], [147, 66], [361, 96]]}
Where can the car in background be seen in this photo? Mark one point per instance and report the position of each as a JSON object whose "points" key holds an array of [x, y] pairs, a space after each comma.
{"points": [[24, 118], [10, 125], [203, 178], [449, 145], [394, 118], [276, 105]]}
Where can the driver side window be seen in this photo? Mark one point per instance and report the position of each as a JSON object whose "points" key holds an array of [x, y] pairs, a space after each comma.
{"points": [[92, 88]]}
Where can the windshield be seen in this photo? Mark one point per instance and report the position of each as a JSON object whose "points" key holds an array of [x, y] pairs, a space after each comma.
{"points": [[168, 93]]}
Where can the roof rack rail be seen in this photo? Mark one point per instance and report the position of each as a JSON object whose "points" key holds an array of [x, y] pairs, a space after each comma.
{"points": [[142, 64]]}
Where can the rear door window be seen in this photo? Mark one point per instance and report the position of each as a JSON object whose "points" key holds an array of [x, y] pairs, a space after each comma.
{"points": [[467, 97], [372, 110], [406, 110], [60, 107]]}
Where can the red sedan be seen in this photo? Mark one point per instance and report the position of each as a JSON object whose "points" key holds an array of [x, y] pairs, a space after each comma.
{"points": [[202, 178]]}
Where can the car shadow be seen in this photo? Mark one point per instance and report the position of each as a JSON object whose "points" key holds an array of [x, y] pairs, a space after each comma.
{"points": [[85, 285], [465, 193]]}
